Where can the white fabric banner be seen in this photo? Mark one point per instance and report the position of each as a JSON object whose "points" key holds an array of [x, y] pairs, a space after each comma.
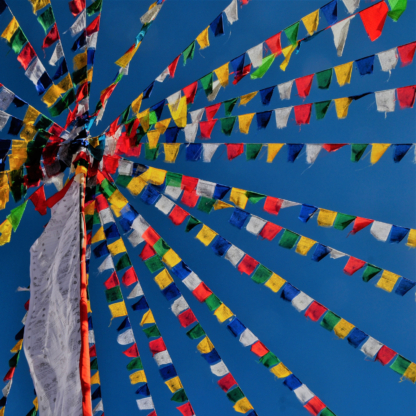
{"points": [[163, 75], [216, 86], [6, 388], [247, 338], [231, 11], [58, 53], [312, 152], [256, 55], [126, 337], [301, 301], [106, 216], [35, 70], [190, 131], [209, 150], [4, 118], [6, 98], [140, 225], [197, 115], [136, 292], [165, 205], [380, 230], [335, 254], [371, 347], [351, 5], [173, 191], [125, 167], [179, 306], [145, 404], [80, 24], [340, 32], [52, 324], [205, 188], [303, 393], [219, 369], [255, 225], [388, 59], [191, 281], [135, 238], [288, 204], [98, 408], [106, 264], [234, 255], [282, 116], [162, 358], [151, 14], [386, 101], [285, 90]]}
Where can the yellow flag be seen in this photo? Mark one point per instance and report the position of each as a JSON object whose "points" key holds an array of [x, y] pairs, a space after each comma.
{"points": [[89, 310], [171, 151], [136, 185], [138, 377], [144, 118], [387, 281], [287, 53], [174, 384], [343, 73], [281, 371], [343, 328], [35, 403], [163, 279], [31, 115], [206, 235], [136, 104], [411, 239], [117, 247], [94, 141], [342, 105], [156, 176], [66, 83], [53, 93], [16, 162], [127, 57], [304, 245], [80, 60], [98, 236], [153, 138], [243, 406], [28, 132], [238, 197], [326, 217], [95, 379], [378, 150], [2, 410], [39, 4], [179, 114], [205, 346], [275, 283], [222, 74], [19, 148], [4, 199], [162, 125], [272, 150], [244, 99], [148, 318], [10, 29], [118, 309], [171, 259], [223, 313], [202, 39], [244, 122], [410, 373], [17, 347], [90, 208], [89, 74], [221, 205], [117, 199], [311, 22]]}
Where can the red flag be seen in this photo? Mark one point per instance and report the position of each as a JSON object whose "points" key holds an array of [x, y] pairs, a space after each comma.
{"points": [[247, 265], [76, 6], [9, 375], [186, 409], [240, 76], [206, 128], [147, 252], [227, 382], [94, 26], [202, 292], [39, 200], [129, 277], [172, 66], [303, 113], [112, 281], [187, 318], [190, 92], [132, 352], [51, 37], [274, 44], [315, 311], [151, 236], [26, 55], [259, 349], [50, 202], [406, 96], [27, 305], [56, 130], [272, 205], [406, 53], [100, 202], [189, 198], [113, 126], [105, 95], [234, 150], [93, 351], [211, 110], [178, 215], [315, 406], [304, 85], [373, 19], [71, 116], [156, 346], [385, 355], [353, 264], [111, 163], [189, 183], [359, 224], [333, 147], [270, 231], [82, 91]]}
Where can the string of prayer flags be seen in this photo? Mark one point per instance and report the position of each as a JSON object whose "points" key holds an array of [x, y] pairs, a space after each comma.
{"points": [[314, 310]]}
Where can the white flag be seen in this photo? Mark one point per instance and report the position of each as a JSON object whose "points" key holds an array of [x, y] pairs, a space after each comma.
{"points": [[256, 55], [351, 5], [58, 53], [136, 292], [208, 151], [6, 98], [4, 118], [386, 101], [231, 11], [106, 264], [340, 32], [285, 90], [190, 131], [126, 337], [197, 115], [80, 24], [312, 152], [380, 230], [282, 116], [163, 75], [388, 59]]}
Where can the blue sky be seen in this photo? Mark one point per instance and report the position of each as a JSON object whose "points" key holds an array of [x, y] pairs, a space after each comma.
{"points": [[333, 370]]}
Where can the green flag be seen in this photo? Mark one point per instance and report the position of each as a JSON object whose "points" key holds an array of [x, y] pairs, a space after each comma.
{"points": [[212, 302], [400, 365], [235, 394], [291, 33], [152, 331], [135, 364], [261, 275], [43, 123], [269, 360], [80, 75], [206, 83], [96, 218], [154, 264], [327, 412], [252, 150], [125, 115], [58, 108], [180, 396], [227, 125], [288, 239], [397, 8], [161, 247], [330, 320], [229, 106], [123, 180], [205, 204], [151, 154], [254, 197], [95, 7], [264, 67], [16, 215], [113, 294], [32, 412], [342, 221], [123, 262], [192, 222], [370, 271], [153, 118], [324, 79], [18, 40], [196, 332], [188, 53], [47, 19], [17, 187], [94, 364], [173, 179], [14, 360], [357, 150], [321, 108]]}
